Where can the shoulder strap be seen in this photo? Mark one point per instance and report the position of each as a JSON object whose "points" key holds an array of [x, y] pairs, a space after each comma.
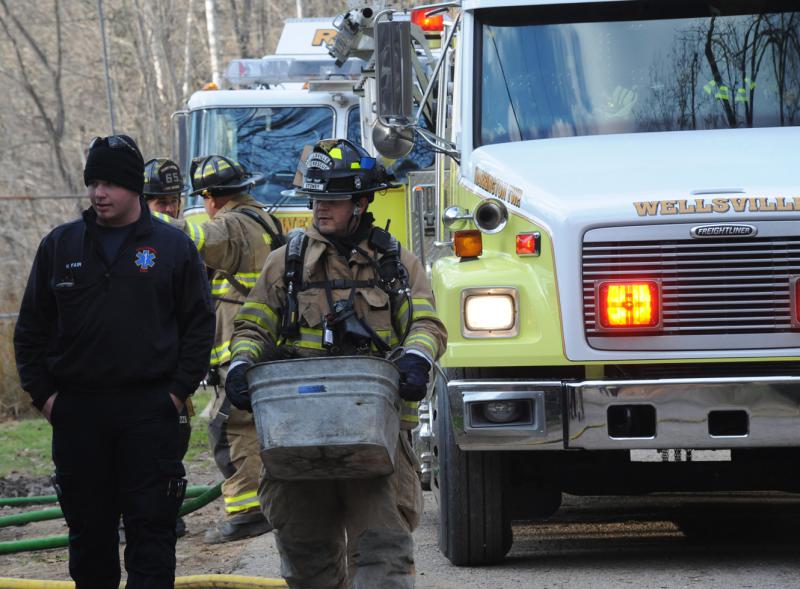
{"points": [[278, 239], [243, 290], [338, 284], [293, 277]]}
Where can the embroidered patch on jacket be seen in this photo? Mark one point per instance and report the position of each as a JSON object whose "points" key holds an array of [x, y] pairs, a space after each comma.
{"points": [[145, 258]]}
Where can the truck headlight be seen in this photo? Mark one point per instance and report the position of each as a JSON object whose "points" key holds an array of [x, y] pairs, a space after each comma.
{"points": [[489, 312]]}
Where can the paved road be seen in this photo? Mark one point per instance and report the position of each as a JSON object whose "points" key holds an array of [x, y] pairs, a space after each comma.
{"points": [[645, 542]]}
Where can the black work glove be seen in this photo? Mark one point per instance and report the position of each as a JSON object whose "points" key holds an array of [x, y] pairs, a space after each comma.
{"points": [[414, 371], [236, 387]]}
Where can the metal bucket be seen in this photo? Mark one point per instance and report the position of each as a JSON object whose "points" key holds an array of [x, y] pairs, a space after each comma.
{"points": [[326, 418]]}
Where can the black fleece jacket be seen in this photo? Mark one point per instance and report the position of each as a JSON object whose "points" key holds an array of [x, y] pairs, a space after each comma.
{"points": [[143, 320]]}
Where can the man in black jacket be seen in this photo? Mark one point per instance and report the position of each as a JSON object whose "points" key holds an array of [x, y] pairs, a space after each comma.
{"points": [[114, 333]]}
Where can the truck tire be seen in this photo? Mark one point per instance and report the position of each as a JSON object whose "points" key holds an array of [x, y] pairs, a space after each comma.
{"points": [[474, 528]]}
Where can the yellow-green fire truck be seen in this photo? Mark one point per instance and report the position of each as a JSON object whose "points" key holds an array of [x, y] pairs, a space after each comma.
{"points": [[616, 249]]}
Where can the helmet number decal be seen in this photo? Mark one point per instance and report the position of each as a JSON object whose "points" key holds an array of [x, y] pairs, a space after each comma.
{"points": [[172, 178]]}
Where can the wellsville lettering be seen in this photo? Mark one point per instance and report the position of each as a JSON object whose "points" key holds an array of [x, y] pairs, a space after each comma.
{"points": [[652, 208]]}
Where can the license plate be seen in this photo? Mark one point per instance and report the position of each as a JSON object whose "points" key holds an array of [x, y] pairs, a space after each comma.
{"points": [[680, 455]]}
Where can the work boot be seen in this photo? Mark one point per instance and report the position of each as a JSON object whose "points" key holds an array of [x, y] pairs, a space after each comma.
{"points": [[180, 527], [246, 525]]}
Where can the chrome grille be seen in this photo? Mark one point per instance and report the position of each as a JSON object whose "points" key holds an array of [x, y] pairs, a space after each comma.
{"points": [[714, 287]]}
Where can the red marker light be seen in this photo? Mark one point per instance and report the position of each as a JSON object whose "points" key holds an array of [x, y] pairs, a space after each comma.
{"points": [[628, 304], [528, 244], [427, 23], [796, 301]]}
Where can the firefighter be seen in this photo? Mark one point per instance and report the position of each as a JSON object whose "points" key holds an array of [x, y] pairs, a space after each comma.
{"points": [[113, 335], [234, 244], [359, 294], [163, 185]]}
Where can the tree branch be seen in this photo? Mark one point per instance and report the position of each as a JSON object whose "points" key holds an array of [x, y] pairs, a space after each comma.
{"points": [[33, 44]]}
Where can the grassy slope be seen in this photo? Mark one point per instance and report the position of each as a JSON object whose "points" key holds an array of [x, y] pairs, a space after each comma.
{"points": [[25, 444]]}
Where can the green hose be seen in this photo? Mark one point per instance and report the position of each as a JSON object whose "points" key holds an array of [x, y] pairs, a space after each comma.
{"points": [[22, 501], [60, 541], [19, 519], [192, 491], [34, 544], [202, 500]]}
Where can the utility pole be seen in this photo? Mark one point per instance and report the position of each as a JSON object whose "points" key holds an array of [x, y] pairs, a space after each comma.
{"points": [[105, 65], [213, 45], [299, 5], [187, 52]]}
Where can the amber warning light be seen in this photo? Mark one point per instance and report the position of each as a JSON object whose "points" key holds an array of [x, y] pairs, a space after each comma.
{"points": [[628, 304]]}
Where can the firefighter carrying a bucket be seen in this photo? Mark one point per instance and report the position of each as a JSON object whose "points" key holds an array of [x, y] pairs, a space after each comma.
{"points": [[345, 287]]}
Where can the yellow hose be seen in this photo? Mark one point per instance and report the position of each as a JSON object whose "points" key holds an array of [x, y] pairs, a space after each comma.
{"points": [[226, 582], [190, 582]]}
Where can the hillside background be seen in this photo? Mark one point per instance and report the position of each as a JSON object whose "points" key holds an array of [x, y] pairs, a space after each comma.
{"points": [[55, 101]]}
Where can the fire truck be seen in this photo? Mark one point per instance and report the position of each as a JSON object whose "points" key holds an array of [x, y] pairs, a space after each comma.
{"points": [[274, 106], [614, 209]]}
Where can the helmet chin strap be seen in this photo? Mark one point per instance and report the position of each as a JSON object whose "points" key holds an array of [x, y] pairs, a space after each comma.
{"points": [[355, 220]]}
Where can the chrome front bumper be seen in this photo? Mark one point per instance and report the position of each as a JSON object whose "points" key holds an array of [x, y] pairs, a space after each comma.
{"points": [[575, 414]]}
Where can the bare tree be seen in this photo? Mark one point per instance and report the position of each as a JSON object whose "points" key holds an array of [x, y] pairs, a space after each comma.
{"points": [[150, 72], [187, 50], [213, 41], [161, 15], [241, 25], [48, 97]]}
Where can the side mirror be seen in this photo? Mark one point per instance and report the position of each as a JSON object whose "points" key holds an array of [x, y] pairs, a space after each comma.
{"points": [[393, 73], [180, 140], [392, 142], [456, 218]]}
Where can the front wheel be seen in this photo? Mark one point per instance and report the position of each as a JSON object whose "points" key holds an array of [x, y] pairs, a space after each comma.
{"points": [[474, 527]]}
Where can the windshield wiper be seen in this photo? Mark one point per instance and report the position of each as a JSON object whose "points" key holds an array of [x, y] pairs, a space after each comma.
{"points": [[505, 82]]}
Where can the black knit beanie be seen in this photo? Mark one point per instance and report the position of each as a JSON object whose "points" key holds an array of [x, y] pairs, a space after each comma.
{"points": [[115, 159]]}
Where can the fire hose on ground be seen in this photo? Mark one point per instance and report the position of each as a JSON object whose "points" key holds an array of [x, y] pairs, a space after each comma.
{"points": [[189, 582], [193, 491], [201, 497]]}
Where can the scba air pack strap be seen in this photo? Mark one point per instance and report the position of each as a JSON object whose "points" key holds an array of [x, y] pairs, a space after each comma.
{"points": [[276, 240], [391, 277]]}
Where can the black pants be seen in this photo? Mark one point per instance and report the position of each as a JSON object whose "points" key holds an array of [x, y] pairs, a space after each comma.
{"points": [[119, 453]]}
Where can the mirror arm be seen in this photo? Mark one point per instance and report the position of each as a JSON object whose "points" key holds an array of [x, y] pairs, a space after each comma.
{"points": [[432, 79], [439, 144]]}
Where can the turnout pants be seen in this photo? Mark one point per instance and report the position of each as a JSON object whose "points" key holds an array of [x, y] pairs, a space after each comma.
{"points": [[336, 534], [119, 453], [234, 444]]}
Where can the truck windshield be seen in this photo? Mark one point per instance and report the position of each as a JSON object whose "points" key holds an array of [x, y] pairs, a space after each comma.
{"points": [[265, 140], [636, 67]]}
